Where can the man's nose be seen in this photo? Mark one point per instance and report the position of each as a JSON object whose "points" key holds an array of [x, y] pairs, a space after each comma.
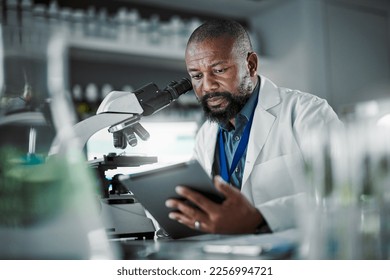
{"points": [[209, 84]]}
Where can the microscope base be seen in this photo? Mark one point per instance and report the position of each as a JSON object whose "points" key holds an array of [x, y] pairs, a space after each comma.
{"points": [[124, 218]]}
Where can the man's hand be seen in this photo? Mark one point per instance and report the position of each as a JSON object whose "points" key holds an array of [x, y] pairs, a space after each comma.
{"points": [[234, 215]]}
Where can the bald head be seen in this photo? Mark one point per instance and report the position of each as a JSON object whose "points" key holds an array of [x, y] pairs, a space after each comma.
{"points": [[223, 28]]}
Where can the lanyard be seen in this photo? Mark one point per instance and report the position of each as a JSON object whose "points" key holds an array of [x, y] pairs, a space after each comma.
{"points": [[237, 155]]}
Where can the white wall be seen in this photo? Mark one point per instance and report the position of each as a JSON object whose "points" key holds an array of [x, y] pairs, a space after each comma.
{"points": [[358, 51], [282, 44], [337, 49]]}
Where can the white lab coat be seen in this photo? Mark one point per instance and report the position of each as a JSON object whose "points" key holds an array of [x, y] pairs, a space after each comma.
{"points": [[272, 178]]}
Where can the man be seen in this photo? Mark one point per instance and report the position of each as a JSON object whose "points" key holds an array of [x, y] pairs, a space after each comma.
{"points": [[253, 137]]}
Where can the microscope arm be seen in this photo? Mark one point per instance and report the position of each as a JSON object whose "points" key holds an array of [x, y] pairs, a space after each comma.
{"points": [[88, 127], [118, 107]]}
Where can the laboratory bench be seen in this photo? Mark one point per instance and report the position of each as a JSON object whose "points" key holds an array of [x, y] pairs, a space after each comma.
{"points": [[282, 245]]}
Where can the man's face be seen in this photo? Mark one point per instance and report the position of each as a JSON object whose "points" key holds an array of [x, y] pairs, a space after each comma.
{"points": [[220, 77]]}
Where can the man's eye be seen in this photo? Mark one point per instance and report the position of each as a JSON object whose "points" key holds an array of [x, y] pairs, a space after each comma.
{"points": [[196, 77], [219, 71]]}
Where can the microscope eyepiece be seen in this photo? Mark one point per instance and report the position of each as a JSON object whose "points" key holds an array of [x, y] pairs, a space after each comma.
{"points": [[178, 88], [152, 99]]}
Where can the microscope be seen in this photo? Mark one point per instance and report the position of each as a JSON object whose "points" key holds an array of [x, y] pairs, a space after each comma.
{"points": [[121, 112]]}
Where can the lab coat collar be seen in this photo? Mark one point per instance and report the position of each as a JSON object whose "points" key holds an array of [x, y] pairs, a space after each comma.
{"points": [[262, 124], [211, 146], [269, 94]]}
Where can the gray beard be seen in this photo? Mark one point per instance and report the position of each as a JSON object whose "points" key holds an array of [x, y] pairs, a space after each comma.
{"points": [[235, 102], [235, 105]]}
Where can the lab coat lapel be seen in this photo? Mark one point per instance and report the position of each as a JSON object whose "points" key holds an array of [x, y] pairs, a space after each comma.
{"points": [[210, 147], [262, 124]]}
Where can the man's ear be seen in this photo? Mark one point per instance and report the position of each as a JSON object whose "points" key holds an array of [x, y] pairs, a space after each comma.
{"points": [[252, 60]]}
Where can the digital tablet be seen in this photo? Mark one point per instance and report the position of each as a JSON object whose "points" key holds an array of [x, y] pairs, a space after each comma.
{"points": [[152, 188]]}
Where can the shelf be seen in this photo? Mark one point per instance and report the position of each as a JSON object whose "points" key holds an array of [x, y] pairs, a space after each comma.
{"points": [[174, 53], [118, 52]]}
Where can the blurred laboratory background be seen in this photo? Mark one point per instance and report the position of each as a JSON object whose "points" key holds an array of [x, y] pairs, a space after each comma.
{"points": [[336, 49]]}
